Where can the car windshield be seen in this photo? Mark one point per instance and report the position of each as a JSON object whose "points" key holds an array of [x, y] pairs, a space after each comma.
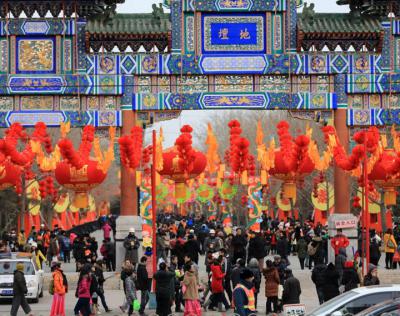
{"points": [[8, 267], [335, 302]]}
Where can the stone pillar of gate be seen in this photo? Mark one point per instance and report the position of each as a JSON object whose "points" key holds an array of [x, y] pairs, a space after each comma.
{"points": [[129, 209], [342, 192]]}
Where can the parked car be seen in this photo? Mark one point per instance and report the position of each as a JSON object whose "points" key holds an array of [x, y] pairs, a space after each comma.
{"points": [[33, 276], [357, 300], [387, 308]]}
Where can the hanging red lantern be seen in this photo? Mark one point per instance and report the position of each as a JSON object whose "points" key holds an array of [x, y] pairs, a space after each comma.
{"points": [[182, 162], [78, 172], [382, 176], [173, 170], [79, 180], [292, 162]]}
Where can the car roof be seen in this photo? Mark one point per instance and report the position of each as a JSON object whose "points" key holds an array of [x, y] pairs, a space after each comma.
{"points": [[16, 256], [376, 288]]}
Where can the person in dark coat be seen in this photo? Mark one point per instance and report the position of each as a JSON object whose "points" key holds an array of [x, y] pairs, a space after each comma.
{"points": [[331, 285], [235, 276], [239, 243], [318, 256], [131, 245], [318, 277], [227, 269], [282, 247], [340, 260], [98, 272], [281, 266], [350, 278], [301, 249], [257, 246], [143, 284], [374, 251], [163, 280], [19, 290], [372, 276], [291, 289], [192, 249]]}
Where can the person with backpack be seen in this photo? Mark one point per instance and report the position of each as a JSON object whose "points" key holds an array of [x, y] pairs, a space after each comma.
{"points": [[314, 251], [65, 247], [390, 248], [58, 288]]}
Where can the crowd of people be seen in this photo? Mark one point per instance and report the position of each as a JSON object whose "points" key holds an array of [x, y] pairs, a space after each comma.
{"points": [[236, 260]]}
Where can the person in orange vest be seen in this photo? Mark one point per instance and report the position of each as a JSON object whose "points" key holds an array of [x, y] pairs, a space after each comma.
{"points": [[243, 295], [339, 241]]}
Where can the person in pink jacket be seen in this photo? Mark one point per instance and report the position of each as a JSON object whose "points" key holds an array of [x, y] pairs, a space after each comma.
{"points": [[106, 230], [83, 292]]}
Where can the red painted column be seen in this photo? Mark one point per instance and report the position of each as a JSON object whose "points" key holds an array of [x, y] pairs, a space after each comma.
{"points": [[128, 178], [342, 180]]}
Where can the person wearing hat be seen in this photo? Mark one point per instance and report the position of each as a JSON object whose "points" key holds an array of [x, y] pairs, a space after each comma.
{"points": [[60, 288], [131, 245], [372, 276], [19, 291], [212, 242], [243, 295]]}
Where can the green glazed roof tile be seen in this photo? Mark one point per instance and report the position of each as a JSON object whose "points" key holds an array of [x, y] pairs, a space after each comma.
{"points": [[130, 24], [336, 22]]}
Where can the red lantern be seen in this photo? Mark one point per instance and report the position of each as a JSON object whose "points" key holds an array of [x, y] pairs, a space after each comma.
{"points": [[382, 176], [10, 175], [173, 170], [79, 180], [292, 162]]}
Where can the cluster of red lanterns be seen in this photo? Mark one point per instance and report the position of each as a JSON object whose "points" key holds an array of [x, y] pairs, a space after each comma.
{"points": [[47, 189], [174, 168], [40, 134], [292, 162], [186, 153], [239, 148], [77, 171], [131, 148], [146, 159], [366, 141]]}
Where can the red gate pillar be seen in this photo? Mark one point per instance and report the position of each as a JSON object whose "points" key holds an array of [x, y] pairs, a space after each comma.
{"points": [[342, 194], [342, 180], [128, 178], [129, 215]]}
